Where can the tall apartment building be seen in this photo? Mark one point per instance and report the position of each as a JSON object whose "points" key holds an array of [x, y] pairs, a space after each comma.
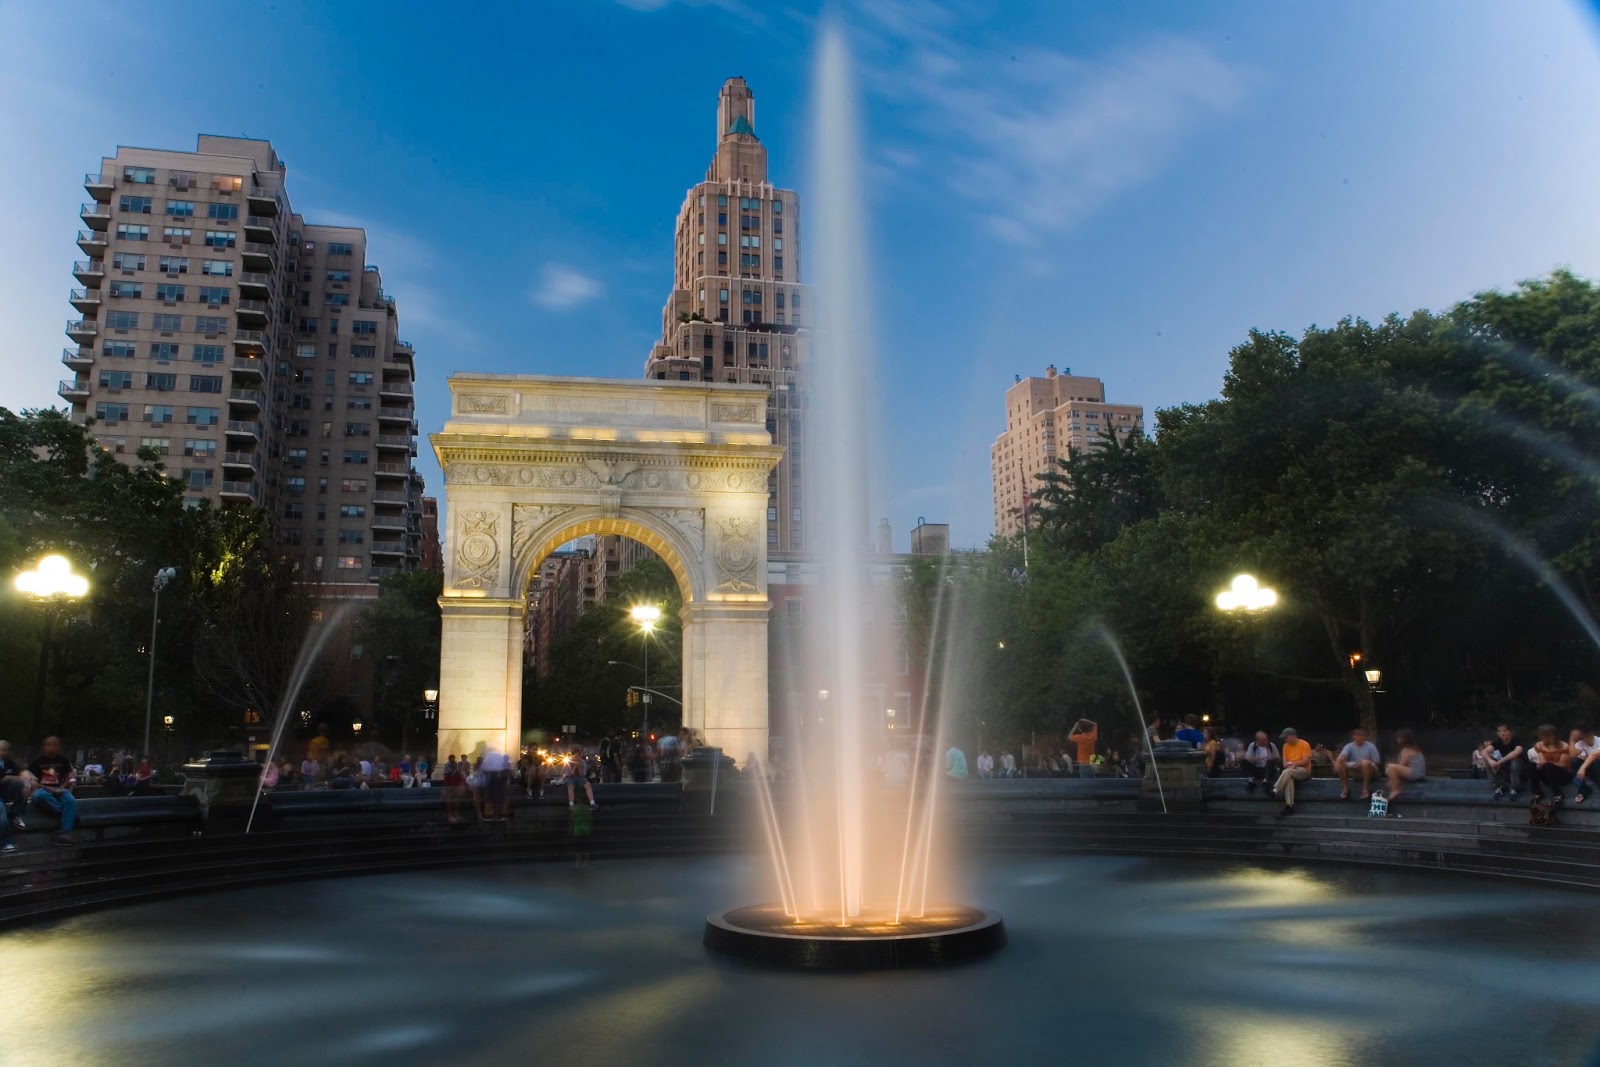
{"points": [[255, 352], [738, 311], [1045, 419]]}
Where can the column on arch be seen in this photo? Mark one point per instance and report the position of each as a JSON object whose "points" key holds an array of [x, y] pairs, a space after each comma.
{"points": [[480, 675], [725, 675]]}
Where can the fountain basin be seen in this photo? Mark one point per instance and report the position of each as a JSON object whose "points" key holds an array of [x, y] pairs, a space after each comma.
{"points": [[945, 934]]}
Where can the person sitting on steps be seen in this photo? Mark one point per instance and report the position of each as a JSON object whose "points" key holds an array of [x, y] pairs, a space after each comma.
{"points": [[1555, 766], [1508, 763], [577, 770], [1410, 766], [1359, 754], [53, 771], [1296, 767]]}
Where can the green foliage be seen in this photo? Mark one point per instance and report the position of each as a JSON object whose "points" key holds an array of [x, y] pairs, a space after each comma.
{"points": [[400, 631]]}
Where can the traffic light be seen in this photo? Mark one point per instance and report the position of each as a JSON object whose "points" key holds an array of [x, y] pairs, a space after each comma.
{"points": [[633, 697]]}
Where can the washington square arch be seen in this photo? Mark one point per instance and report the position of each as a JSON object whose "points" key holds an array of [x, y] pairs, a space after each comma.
{"points": [[532, 462]]}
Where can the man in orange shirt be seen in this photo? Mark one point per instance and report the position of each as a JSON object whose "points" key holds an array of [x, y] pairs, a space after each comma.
{"points": [[1296, 767], [1084, 734]]}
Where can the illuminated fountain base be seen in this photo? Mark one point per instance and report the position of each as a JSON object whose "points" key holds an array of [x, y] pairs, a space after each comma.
{"points": [[763, 933]]}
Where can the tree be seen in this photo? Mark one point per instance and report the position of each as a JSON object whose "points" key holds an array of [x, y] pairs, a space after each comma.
{"points": [[401, 630]]}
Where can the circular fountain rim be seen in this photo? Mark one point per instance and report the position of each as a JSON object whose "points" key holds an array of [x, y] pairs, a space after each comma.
{"points": [[983, 934]]}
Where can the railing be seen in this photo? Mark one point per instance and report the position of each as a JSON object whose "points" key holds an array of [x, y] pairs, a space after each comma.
{"points": [[89, 266], [388, 548], [251, 428], [389, 498], [78, 296], [256, 248], [257, 366], [256, 337], [82, 326], [255, 278], [402, 469], [398, 388], [242, 459], [395, 413], [382, 572], [94, 209], [259, 222], [252, 305], [239, 489], [90, 237], [405, 346], [72, 386], [70, 356], [247, 396], [393, 441], [98, 179]]}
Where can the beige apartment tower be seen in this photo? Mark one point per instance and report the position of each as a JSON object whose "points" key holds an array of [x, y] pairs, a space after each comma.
{"points": [[738, 311], [255, 352], [1046, 418]]}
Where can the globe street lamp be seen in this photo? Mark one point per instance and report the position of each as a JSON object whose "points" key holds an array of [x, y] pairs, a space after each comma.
{"points": [[163, 576], [1246, 596], [646, 616], [51, 582]]}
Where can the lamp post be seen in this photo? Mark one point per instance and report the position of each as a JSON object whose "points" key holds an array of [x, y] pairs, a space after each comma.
{"points": [[50, 582], [166, 721], [163, 576], [646, 616], [430, 715], [1246, 596]]}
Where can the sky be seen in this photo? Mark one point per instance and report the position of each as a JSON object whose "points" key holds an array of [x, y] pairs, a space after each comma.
{"points": [[1124, 190]]}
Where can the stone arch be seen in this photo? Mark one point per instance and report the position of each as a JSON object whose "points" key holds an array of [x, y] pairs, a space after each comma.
{"points": [[659, 536]]}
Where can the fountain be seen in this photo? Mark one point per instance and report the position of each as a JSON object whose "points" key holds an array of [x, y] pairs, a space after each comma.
{"points": [[853, 867]]}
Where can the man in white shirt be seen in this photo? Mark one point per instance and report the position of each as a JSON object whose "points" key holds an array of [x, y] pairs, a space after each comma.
{"points": [[1260, 758], [1360, 754], [1586, 761]]}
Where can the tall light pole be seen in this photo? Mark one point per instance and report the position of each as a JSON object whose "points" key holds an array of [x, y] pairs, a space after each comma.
{"points": [[646, 615], [1246, 596], [163, 576], [50, 582]]}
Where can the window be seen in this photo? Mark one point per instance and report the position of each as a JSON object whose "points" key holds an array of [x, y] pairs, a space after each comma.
{"points": [[352, 511], [158, 413], [203, 447], [111, 412], [722, 218], [116, 379], [169, 292], [139, 175], [364, 326], [129, 290], [333, 326], [354, 485], [127, 260], [161, 382], [777, 263], [176, 235], [117, 445], [167, 323], [224, 212], [355, 456], [772, 514], [363, 352], [134, 205], [126, 232], [164, 351], [295, 486], [306, 351], [205, 383], [777, 207], [357, 429], [777, 244], [777, 225], [308, 325], [159, 445], [220, 268], [336, 248], [722, 238], [173, 264], [199, 477], [118, 349], [350, 563], [225, 183], [722, 295], [210, 325], [340, 276], [722, 200], [339, 300], [360, 377], [215, 294], [182, 209], [220, 239], [297, 456], [358, 403], [352, 537]]}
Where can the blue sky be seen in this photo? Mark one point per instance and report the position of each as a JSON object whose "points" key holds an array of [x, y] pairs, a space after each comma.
{"points": [[1120, 189]]}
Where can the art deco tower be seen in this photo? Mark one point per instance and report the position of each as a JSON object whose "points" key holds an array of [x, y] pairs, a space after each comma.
{"points": [[738, 312]]}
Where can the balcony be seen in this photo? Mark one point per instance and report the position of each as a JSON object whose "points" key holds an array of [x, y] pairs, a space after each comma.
{"points": [[89, 271], [262, 201], [260, 228], [98, 186], [81, 330], [253, 312], [388, 548], [250, 366], [250, 397], [85, 300], [247, 460], [389, 499], [76, 389], [239, 491], [252, 430], [255, 284], [396, 414], [250, 341], [375, 574], [78, 358], [389, 442], [392, 470], [92, 243], [395, 389], [259, 257], [95, 216], [396, 523]]}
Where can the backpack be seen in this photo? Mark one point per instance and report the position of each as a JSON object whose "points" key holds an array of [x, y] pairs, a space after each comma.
{"points": [[1542, 815]]}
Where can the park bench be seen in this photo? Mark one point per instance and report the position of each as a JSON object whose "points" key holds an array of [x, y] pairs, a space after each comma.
{"points": [[98, 815]]}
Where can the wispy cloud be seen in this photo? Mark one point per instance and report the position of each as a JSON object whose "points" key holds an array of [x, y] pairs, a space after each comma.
{"points": [[1039, 138], [737, 8], [562, 288]]}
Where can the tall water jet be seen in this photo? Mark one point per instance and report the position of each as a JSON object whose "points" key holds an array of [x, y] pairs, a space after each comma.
{"points": [[865, 862]]}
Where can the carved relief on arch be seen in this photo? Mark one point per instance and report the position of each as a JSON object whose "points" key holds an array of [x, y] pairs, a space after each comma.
{"points": [[527, 520], [736, 556], [478, 550]]}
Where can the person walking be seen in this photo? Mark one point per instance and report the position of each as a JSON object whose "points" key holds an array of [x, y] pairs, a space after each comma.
{"points": [[1296, 767]]}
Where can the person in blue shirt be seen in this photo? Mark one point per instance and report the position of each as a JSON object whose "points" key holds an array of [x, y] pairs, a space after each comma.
{"points": [[1190, 731]]}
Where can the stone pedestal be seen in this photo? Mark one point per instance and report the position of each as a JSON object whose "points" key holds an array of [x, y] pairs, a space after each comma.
{"points": [[708, 780], [225, 782], [1175, 775]]}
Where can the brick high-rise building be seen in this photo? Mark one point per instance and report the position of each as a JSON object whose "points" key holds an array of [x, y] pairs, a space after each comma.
{"points": [[255, 352], [1045, 419], [738, 311]]}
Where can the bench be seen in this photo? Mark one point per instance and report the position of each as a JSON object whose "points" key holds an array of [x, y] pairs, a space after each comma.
{"points": [[101, 814]]}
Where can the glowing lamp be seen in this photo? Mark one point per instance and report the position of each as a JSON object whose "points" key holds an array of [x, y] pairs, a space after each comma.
{"points": [[1246, 594], [52, 577]]}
